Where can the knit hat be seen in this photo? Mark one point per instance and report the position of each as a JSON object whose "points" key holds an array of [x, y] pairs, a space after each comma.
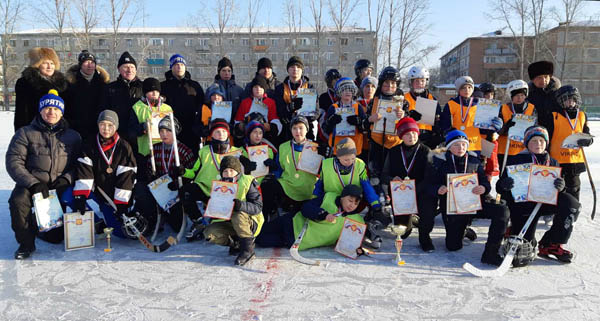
{"points": [[352, 190], [38, 55], [344, 147], [455, 136], [150, 84], [85, 55], [259, 81], [299, 119], [533, 131], [126, 58], [406, 125], [369, 80], [231, 162], [51, 99], [176, 59], [252, 125], [264, 62], [109, 116], [540, 68], [166, 124], [219, 123], [461, 81], [214, 89], [295, 60], [224, 62], [344, 84]]}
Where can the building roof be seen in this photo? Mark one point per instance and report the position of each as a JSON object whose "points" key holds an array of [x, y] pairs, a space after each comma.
{"points": [[494, 34], [187, 30]]}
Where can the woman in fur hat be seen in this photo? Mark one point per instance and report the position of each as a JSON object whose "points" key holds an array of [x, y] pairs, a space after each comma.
{"points": [[35, 82]]}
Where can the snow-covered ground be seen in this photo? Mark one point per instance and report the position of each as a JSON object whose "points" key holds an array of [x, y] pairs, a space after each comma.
{"points": [[196, 281]]}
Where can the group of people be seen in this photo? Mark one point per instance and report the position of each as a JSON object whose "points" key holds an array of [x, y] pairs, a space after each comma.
{"points": [[91, 139]]}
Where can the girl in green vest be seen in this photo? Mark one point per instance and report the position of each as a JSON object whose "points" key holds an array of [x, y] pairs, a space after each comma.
{"points": [[246, 220]]}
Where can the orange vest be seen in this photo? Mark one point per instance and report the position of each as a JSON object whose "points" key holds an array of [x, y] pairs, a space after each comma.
{"points": [[389, 141], [515, 146], [365, 144], [563, 129], [466, 126], [288, 93], [412, 104], [357, 138]]}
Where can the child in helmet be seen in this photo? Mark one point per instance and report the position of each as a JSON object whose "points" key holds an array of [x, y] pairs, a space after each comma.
{"points": [[419, 83], [329, 97], [565, 212], [345, 90], [569, 120], [362, 68], [488, 90]]}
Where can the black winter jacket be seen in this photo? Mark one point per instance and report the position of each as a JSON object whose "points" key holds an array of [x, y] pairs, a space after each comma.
{"points": [[544, 101], [119, 96], [436, 175]]}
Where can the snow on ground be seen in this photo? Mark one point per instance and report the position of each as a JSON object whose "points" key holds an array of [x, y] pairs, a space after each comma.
{"points": [[196, 281]]}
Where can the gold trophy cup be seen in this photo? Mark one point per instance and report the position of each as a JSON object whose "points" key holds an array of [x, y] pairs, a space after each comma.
{"points": [[107, 231]]}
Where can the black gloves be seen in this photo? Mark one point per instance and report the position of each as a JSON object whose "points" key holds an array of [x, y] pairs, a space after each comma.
{"points": [[237, 205], [506, 127], [334, 119], [248, 164], [324, 150], [60, 185], [559, 183], [174, 185], [142, 129], [39, 188], [505, 184], [205, 131], [79, 204], [176, 171], [322, 215], [585, 142], [353, 120], [297, 103], [415, 115], [270, 163]]}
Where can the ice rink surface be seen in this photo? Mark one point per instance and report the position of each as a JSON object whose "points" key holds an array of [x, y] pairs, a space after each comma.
{"points": [[197, 281]]}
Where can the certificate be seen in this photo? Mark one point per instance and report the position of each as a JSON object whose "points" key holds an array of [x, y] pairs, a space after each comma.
{"points": [[404, 197], [464, 199], [165, 198], [310, 160], [79, 231], [351, 238], [541, 184], [309, 101], [450, 203], [522, 122], [48, 212], [221, 109], [156, 117], [427, 108], [344, 128], [259, 154], [571, 140], [520, 174], [220, 204], [259, 107], [487, 109], [487, 148], [387, 110]]}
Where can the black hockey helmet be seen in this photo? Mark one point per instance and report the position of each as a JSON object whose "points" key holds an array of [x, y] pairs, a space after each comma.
{"points": [[565, 93], [487, 87], [361, 64], [389, 73], [132, 223], [330, 76]]}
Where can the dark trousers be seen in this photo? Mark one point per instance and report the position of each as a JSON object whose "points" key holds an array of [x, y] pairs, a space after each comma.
{"points": [[191, 194], [572, 183], [274, 197], [146, 204], [279, 232]]}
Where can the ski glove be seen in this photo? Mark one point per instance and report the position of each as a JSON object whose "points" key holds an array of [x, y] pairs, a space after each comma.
{"points": [[270, 163], [333, 120], [79, 204], [497, 123], [506, 127], [505, 184], [177, 171], [324, 150], [39, 188], [173, 185], [248, 164], [353, 120], [297, 103], [123, 209], [559, 183], [237, 205], [585, 142], [415, 115]]}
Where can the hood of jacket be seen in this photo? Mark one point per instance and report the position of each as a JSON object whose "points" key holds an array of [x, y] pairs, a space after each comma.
{"points": [[74, 70]]}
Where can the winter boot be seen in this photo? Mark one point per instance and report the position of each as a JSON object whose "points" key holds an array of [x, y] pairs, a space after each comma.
{"points": [[196, 231], [414, 219], [426, 243], [372, 238], [246, 250], [556, 250], [24, 251], [491, 255], [234, 245], [470, 234]]}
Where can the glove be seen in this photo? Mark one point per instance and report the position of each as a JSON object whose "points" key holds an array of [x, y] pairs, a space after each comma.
{"points": [[585, 142], [143, 129], [497, 123], [237, 205], [415, 115], [505, 184], [332, 121], [381, 217], [79, 204], [559, 183], [322, 215], [248, 164], [297, 103], [39, 188], [176, 171], [60, 185], [174, 185], [324, 150], [270, 163], [123, 209], [205, 131], [353, 120]]}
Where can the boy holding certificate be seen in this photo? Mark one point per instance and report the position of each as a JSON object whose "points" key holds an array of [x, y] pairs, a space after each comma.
{"points": [[418, 78], [329, 97], [214, 94], [292, 186], [367, 88], [565, 211], [457, 160], [260, 103], [569, 120], [409, 161], [246, 219], [254, 138], [355, 122], [205, 170]]}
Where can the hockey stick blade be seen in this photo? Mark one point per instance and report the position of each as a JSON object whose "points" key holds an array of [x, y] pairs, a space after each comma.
{"points": [[294, 249], [587, 169]]}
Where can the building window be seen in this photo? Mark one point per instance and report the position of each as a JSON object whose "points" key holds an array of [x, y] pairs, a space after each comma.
{"points": [[156, 70], [305, 42], [189, 42], [287, 42], [359, 41], [13, 43], [244, 57], [329, 55], [261, 42], [344, 41], [245, 42], [274, 42], [330, 42], [315, 41], [171, 42], [156, 41], [26, 43], [102, 42], [204, 42], [344, 56], [231, 41], [273, 57], [129, 43], [142, 42]]}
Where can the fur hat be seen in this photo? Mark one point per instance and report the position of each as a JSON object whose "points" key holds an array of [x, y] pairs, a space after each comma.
{"points": [[110, 116], [38, 55], [224, 62], [295, 60], [533, 131], [406, 125], [540, 68], [344, 147], [456, 136], [150, 84], [260, 81], [264, 62], [126, 58], [51, 99], [231, 162]]}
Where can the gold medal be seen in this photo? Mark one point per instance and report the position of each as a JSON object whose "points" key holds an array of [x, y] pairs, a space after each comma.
{"points": [[109, 170], [462, 127], [297, 175]]}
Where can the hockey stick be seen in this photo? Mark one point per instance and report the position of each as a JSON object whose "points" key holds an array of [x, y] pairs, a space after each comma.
{"points": [[587, 169], [129, 222], [179, 180], [331, 151], [294, 249], [153, 163], [498, 196], [514, 241]]}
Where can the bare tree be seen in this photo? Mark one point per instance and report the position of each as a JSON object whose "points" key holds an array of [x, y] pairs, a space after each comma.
{"points": [[84, 20], [376, 25], [293, 17], [570, 10], [316, 10], [410, 26], [341, 12], [254, 7], [11, 12], [122, 15], [225, 12], [54, 14], [514, 14]]}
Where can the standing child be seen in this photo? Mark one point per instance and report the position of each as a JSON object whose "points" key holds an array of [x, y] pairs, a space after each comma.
{"points": [[368, 88], [419, 83], [362, 68], [259, 95], [329, 97], [202, 121], [254, 137]]}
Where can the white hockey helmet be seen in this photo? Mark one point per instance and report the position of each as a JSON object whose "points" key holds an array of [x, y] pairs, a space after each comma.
{"points": [[519, 85], [463, 80], [417, 72]]}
